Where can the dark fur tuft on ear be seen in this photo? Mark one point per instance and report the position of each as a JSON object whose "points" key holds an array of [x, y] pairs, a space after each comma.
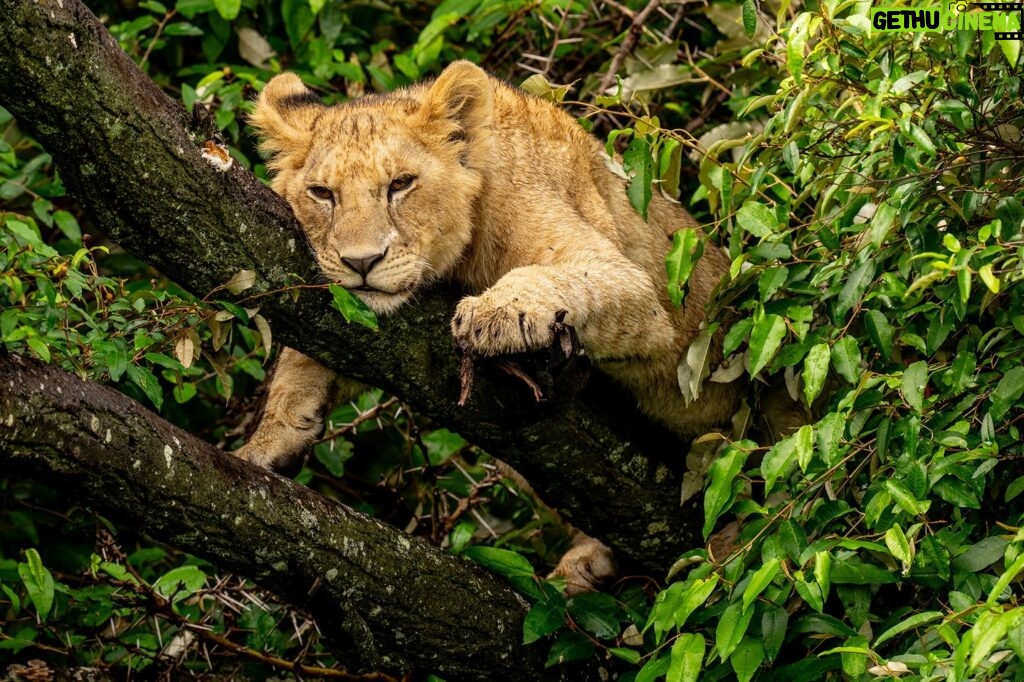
{"points": [[459, 105], [284, 114]]}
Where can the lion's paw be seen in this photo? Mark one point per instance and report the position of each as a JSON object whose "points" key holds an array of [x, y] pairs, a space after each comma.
{"points": [[259, 457], [499, 322], [587, 564]]}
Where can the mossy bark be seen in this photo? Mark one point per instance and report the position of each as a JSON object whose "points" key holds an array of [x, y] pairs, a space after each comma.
{"points": [[132, 158], [387, 601]]}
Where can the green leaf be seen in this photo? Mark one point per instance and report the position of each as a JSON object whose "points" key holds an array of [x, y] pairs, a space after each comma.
{"points": [[989, 630], [183, 28], [815, 371], [460, 536], [502, 561], [853, 291], [569, 647], [796, 45], [38, 582], [687, 657], [515, 568], [757, 219], [12, 597], [1007, 392], [915, 378], [905, 499], [811, 593], [687, 248], [791, 156], [114, 356], [761, 579], [854, 654], [442, 444], [921, 139], [989, 278], [180, 583], [27, 233], [655, 668], [232, 310], [765, 338], [981, 555], [333, 454], [736, 335], [747, 658], [961, 373], [630, 656], [670, 161], [883, 220], [771, 280], [147, 381], [823, 571], [22, 639], [639, 166], [68, 225], [721, 475], [596, 613], [732, 626], [880, 331], [352, 307], [675, 604], [543, 619], [846, 359], [190, 8], [39, 347], [899, 546], [1005, 579], [773, 630], [749, 17], [784, 455], [851, 572], [932, 557], [298, 20], [906, 624]]}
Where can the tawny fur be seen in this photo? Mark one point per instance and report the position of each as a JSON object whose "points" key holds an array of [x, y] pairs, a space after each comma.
{"points": [[468, 179]]}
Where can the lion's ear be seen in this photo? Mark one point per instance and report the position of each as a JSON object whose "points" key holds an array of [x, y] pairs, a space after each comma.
{"points": [[285, 113], [462, 97]]}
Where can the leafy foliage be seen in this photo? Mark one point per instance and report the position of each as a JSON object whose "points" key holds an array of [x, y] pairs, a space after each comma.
{"points": [[868, 189]]}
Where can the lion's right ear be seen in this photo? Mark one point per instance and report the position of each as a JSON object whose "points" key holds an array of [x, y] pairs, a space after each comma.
{"points": [[285, 113], [462, 98]]}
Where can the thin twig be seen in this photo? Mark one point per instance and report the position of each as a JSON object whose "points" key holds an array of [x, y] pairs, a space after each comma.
{"points": [[156, 36], [628, 43]]}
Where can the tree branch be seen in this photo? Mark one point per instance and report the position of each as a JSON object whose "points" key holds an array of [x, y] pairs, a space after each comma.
{"points": [[131, 157], [385, 600], [636, 28]]}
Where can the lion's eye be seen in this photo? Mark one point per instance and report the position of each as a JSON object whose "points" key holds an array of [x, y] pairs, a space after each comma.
{"points": [[401, 183], [320, 193]]}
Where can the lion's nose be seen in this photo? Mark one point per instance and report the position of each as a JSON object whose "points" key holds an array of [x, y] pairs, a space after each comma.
{"points": [[364, 265]]}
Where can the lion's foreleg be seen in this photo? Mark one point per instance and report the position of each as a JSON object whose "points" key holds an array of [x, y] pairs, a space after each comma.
{"points": [[300, 390], [612, 303]]}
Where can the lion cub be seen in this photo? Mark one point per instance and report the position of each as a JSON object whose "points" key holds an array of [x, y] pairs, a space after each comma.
{"points": [[468, 179]]}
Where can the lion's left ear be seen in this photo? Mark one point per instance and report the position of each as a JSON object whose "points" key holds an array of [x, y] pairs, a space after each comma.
{"points": [[284, 116], [463, 98]]}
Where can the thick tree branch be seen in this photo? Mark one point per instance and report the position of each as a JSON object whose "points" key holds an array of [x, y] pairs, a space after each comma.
{"points": [[132, 159], [387, 601]]}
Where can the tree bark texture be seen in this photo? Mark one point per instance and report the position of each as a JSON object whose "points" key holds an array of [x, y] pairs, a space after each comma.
{"points": [[131, 157], [387, 601]]}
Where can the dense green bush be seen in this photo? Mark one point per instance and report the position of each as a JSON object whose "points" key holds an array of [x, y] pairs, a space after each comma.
{"points": [[868, 187]]}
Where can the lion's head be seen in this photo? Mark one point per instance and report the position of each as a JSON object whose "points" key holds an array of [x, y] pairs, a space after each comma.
{"points": [[384, 186]]}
